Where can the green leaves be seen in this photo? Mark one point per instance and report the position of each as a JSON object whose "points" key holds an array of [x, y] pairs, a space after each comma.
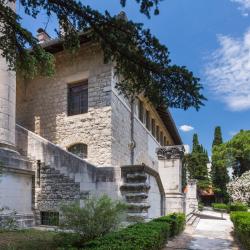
{"points": [[235, 153], [141, 62]]}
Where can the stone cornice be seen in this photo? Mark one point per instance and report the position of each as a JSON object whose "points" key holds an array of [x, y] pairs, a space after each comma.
{"points": [[170, 152]]}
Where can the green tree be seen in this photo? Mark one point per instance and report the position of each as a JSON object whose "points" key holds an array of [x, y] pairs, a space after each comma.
{"points": [[235, 153], [219, 172], [217, 136], [196, 163], [138, 56]]}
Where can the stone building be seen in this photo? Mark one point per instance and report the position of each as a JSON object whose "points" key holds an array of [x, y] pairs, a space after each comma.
{"points": [[73, 139]]}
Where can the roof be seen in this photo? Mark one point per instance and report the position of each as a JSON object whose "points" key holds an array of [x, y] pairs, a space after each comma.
{"points": [[170, 125], [56, 45]]}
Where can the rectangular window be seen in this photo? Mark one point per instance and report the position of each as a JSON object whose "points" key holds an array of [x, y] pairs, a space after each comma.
{"points": [[50, 218], [157, 133], [161, 138], [78, 98], [153, 127], [141, 111], [147, 120]]}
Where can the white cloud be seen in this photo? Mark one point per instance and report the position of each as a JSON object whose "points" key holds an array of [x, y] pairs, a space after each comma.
{"points": [[244, 6], [233, 133], [186, 128], [228, 71]]}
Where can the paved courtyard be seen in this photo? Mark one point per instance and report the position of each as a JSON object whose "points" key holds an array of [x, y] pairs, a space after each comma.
{"points": [[211, 233]]}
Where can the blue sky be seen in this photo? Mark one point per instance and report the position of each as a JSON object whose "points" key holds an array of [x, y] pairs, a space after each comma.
{"points": [[211, 38]]}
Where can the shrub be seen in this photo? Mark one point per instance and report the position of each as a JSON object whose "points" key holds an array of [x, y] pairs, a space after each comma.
{"points": [[220, 206], [241, 221], [237, 206], [200, 206], [176, 222], [96, 218], [141, 236]]}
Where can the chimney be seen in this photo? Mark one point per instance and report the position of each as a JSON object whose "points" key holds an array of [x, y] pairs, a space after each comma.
{"points": [[42, 36]]}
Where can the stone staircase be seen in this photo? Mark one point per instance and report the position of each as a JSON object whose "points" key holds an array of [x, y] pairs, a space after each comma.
{"points": [[193, 218], [53, 189], [135, 190]]}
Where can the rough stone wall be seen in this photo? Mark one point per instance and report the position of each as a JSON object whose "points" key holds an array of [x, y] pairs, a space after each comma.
{"points": [[42, 104], [54, 189]]}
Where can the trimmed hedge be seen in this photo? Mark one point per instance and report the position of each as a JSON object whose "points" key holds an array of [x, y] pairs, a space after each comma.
{"points": [[241, 221], [141, 236], [238, 207], [220, 206]]}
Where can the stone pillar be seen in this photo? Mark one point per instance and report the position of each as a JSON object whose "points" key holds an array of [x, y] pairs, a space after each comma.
{"points": [[7, 104], [191, 197], [170, 170]]}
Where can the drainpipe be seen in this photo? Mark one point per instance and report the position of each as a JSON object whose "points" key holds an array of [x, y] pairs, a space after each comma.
{"points": [[132, 141]]}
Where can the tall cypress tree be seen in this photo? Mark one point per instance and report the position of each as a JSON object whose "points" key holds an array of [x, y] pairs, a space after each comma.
{"points": [[217, 136], [196, 163], [196, 144], [219, 172]]}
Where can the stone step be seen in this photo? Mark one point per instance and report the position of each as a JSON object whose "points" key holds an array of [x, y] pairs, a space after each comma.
{"points": [[136, 197], [135, 187], [136, 217], [136, 177], [138, 207]]}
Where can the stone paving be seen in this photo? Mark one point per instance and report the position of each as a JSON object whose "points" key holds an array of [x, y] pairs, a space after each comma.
{"points": [[210, 234]]}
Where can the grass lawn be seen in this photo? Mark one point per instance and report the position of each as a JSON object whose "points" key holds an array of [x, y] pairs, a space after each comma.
{"points": [[27, 240]]}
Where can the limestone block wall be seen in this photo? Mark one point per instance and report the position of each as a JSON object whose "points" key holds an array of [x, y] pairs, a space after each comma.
{"points": [[61, 176], [146, 144], [42, 104], [54, 189], [16, 192], [155, 198]]}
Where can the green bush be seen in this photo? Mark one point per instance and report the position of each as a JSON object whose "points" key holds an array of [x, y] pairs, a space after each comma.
{"points": [[220, 206], [176, 222], [241, 221], [96, 218], [238, 207], [141, 236], [200, 206]]}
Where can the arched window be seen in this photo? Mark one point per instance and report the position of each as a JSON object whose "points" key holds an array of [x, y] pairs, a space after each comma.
{"points": [[79, 149]]}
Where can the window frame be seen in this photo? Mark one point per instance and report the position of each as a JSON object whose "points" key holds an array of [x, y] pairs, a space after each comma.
{"points": [[84, 153], [82, 109], [141, 110]]}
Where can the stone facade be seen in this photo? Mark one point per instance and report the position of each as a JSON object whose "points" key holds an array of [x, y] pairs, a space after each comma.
{"points": [[42, 104], [46, 132], [170, 170], [42, 107]]}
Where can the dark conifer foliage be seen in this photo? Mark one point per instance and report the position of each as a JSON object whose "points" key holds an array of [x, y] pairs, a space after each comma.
{"points": [[196, 164], [138, 56], [219, 172]]}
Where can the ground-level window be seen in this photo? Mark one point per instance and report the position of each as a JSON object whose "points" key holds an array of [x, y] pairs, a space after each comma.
{"points": [[79, 149], [78, 98], [49, 218]]}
